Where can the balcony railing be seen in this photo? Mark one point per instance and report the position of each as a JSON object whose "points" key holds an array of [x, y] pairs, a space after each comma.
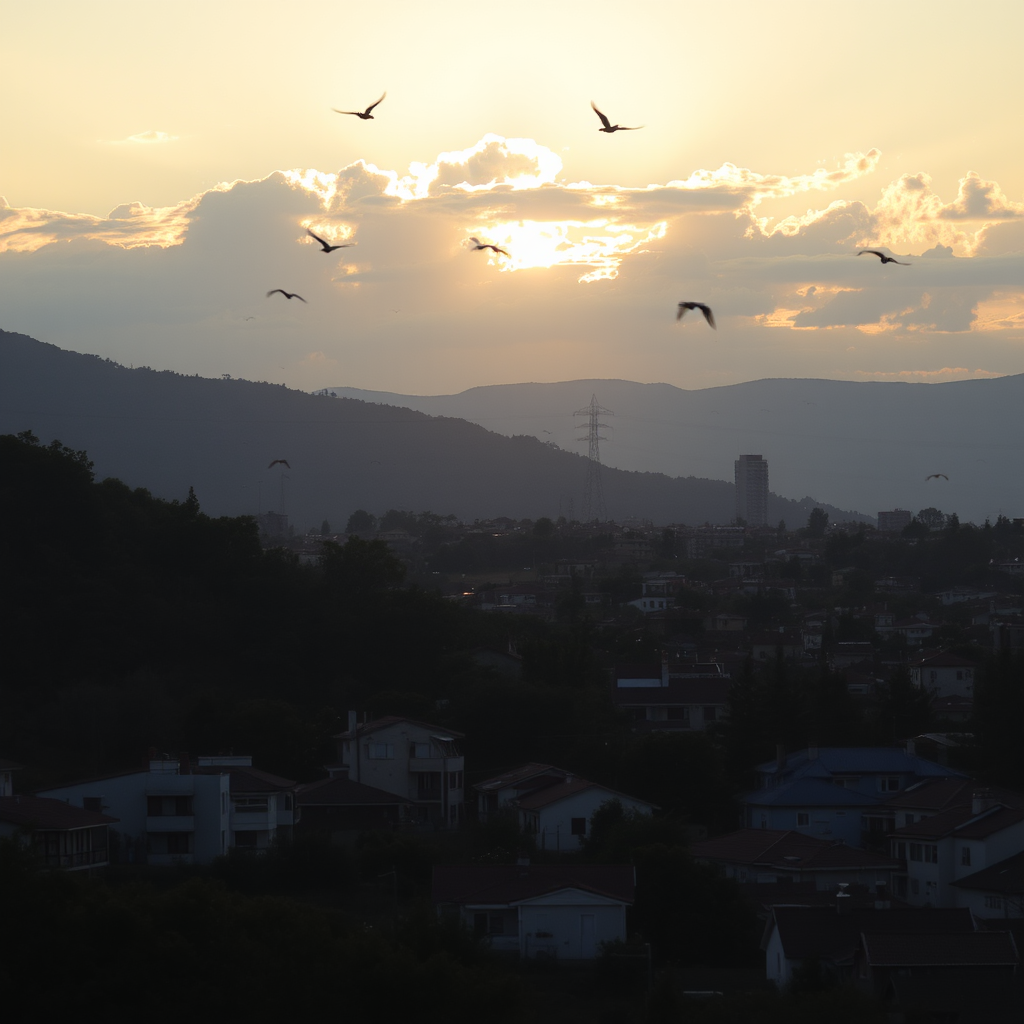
{"points": [[437, 764], [82, 859]]}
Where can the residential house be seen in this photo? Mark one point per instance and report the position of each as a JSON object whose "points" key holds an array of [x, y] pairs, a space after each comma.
{"points": [[833, 936], [658, 592], [559, 815], [166, 814], [996, 891], [678, 696], [60, 834], [342, 809], [502, 791], [766, 646], [836, 792], [955, 843], [262, 805], [549, 912], [774, 856], [419, 762], [945, 675]]}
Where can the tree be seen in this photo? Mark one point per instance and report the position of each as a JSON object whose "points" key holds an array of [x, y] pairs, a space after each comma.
{"points": [[817, 523], [932, 518], [361, 522], [325, 528]]}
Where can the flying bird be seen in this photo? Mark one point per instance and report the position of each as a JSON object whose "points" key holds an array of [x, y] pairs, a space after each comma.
{"points": [[608, 126], [326, 247], [881, 255], [287, 295], [936, 475], [486, 245], [706, 310], [363, 115], [279, 462]]}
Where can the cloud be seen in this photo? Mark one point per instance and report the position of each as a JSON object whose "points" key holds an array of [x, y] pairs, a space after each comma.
{"points": [[149, 138], [411, 307], [980, 200]]}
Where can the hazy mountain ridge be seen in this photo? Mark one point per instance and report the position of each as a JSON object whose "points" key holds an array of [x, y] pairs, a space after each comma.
{"points": [[167, 432], [866, 445]]}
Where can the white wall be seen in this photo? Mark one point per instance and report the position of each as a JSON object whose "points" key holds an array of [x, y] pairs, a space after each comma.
{"points": [[578, 922], [554, 822]]}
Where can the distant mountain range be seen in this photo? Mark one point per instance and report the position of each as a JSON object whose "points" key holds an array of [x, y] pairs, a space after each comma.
{"points": [[859, 445], [168, 432]]}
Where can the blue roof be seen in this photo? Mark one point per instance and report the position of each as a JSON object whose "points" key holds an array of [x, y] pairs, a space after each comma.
{"points": [[858, 761], [811, 793]]}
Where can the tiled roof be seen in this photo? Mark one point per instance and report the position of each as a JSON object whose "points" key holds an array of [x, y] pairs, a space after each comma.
{"points": [[40, 812], [978, 949], [1007, 876], [861, 760], [525, 772], [562, 790], [945, 660], [810, 793], [961, 822], [822, 932], [382, 723], [9, 766], [787, 850], [503, 884], [342, 792]]}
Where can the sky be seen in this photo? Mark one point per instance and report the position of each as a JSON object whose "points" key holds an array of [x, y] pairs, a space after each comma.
{"points": [[161, 163]]}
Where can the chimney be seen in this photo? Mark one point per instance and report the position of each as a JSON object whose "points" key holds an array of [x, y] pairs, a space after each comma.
{"points": [[353, 721], [981, 800], [911, 748]]}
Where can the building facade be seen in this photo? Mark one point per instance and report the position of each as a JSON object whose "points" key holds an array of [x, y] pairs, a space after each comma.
{"points": [[752, 490]]}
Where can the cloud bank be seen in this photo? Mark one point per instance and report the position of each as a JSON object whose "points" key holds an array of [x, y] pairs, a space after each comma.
{"points": [[588, 288]]}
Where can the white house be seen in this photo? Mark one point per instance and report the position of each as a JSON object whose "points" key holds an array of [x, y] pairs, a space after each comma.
{"points": [[417, 761], [559, 815], [166, 815], [944, 675], [994, 892], [539, 911], [953, 844]]}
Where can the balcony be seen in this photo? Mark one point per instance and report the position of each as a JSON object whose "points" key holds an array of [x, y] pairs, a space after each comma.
{"points": [[437, 764], [171, 823], [252, 821]]}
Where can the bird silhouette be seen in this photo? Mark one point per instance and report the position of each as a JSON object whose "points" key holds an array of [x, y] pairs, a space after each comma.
{"points": [[326, 247], [279, 462], [287, 295], [486, 245], [882, 257], [608, 126], [706, 310], [363, 115], [936, 475]]}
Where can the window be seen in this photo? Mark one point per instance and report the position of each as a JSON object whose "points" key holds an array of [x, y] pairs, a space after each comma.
{"points": [[247, 840], [802, 819], [679, 713], [579, 826], [380, 751], [959, 676], [965, 856], [179, 843], [931, 854], [908, 819], [287, 801], [915, 851], [168, 806], [250, 804], [889, 784], [710, 714], [993, 902], [455, 780], [419, 750], [92, 803], [488, 924], [899, 851]]}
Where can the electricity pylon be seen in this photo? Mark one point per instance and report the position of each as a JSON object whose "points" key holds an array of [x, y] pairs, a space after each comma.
{"points": [[593, 495]]}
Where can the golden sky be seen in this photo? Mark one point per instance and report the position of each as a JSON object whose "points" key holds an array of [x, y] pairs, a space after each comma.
{"points": [[778, 140]]}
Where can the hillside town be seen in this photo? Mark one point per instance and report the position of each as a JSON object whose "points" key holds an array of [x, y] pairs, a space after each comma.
{"points": [[751, 762]]}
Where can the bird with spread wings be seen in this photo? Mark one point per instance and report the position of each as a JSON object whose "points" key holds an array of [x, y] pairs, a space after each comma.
{"points": [[706, 310], [608, 126], [363, 115]]}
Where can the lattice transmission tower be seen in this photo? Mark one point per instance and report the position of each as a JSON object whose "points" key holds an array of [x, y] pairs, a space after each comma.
{"points": [[593, 494]]}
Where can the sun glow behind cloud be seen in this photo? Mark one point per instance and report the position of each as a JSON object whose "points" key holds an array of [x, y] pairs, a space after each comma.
{"points": [[599, 243]]}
